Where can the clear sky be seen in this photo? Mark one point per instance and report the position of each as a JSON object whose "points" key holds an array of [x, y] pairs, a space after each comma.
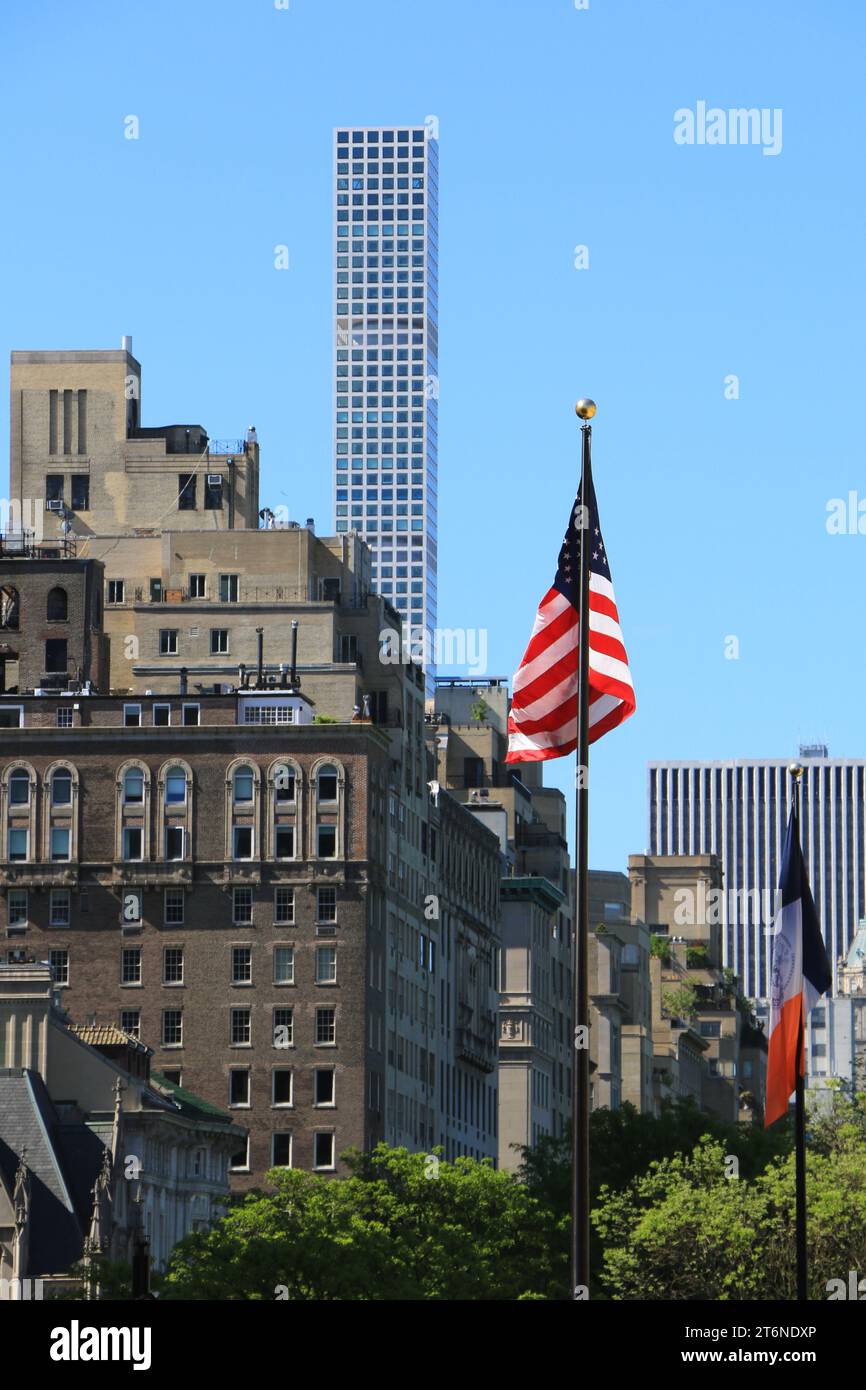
{"points": [[556, 131]]}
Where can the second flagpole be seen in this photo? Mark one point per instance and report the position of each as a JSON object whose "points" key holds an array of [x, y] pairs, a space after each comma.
{"points": [[800, 1101], [585, 409]]}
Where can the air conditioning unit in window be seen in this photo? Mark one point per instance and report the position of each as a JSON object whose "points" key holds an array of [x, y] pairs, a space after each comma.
{"points": [[214, 479], [54, 504]]}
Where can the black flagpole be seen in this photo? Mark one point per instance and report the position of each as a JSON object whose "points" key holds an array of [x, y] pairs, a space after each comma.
{"points": [[800, 1102], [580, 1071]]}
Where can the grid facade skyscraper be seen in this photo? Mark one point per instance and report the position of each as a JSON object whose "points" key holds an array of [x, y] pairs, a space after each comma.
{"points": [[739, 811], [386, 371]]}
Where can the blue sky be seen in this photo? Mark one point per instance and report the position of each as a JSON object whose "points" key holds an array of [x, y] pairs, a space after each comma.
{"points": [[556, 130]]}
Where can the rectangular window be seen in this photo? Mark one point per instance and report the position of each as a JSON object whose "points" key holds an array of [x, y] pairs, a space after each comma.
{"points": [[191, 716], [131, 906], [130, 965], [242, 905], [173, 905], [240, 1161], [213, 495], [228, 588], [12, 717], [242, 965], [80, 492], [172, 965], [162, 716], [132, 716], [281, 1151], [116, 590], [197, 586], [240, 1031], [323, 1086], [18, 840], [60, 841], [326, 904], [281, 1093], [168, 641], [284, 965], [156, 591], [326, 841], [59, 962], [323, 1151], [239, 1088], [56, 660], [132, 847], [326, 965], [174, 842], [17, 907], [172, 1028], [53, 486], [130, 1022], [186, 483], [284, 1028], [242, 842], [284, 906], [219, 641], [326, 1026], [64, 718], [285, 842]]}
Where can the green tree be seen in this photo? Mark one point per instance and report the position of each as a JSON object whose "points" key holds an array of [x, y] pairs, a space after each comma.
{"points": [[688, 1229], [401, 1227]]}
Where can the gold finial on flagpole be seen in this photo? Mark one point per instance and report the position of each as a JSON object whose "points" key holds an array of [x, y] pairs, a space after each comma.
{"points": [[585, 408], [796, 771]]}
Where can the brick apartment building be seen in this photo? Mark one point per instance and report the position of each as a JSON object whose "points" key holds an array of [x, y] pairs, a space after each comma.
{"points": [[232, 893]]}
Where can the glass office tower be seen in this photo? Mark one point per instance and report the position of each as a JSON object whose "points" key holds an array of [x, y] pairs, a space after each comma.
{"points": [[386, 375]]}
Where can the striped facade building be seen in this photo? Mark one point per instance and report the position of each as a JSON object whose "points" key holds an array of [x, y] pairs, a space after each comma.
{"points": [[738, 810]]}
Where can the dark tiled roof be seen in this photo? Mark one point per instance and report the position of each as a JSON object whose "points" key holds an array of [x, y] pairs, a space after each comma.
{"points": [[59, 1206]]}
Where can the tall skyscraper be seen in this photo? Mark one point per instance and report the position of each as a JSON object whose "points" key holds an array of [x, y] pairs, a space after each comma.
{"points": [[739, 810], [386, 381]]}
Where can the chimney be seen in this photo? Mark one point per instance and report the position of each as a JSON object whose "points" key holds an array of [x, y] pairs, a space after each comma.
{"points": [[126, 344], [284, 675], [260, 639], [311, 524], [184, 674]]}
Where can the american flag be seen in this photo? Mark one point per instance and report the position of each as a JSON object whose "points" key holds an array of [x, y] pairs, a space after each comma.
{"points": [[543, 719]]}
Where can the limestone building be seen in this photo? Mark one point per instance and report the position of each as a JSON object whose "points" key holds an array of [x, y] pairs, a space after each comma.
{"points": [[94, 1150], [467, 729]]}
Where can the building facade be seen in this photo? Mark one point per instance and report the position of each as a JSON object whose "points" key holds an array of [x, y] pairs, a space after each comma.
{"points": [[467, 733], [386, 359], [738, 811], [254, 898], [95, 1153]]}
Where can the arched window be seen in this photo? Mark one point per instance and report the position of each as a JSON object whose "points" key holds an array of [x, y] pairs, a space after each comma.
{"points": [[285, 784], [243, 786], [58, 605], [133, 786], [327, 783], [19, 787], [61, 787], [175, 786]]}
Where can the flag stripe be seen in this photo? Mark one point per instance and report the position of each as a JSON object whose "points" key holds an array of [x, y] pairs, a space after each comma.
{"points": [[543, 718]]}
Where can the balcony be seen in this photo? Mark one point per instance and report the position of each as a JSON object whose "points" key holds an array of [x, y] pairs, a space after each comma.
{"points": [[478, 1048], [24, 545]]}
